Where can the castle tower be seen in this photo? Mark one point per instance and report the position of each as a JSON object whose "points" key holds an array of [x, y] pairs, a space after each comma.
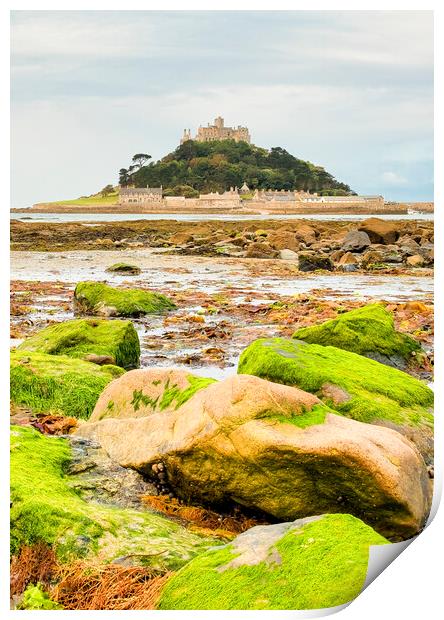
{"points": [[219, 122]]}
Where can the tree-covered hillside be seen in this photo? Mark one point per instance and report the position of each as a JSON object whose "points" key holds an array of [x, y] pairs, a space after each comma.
{"points": [[200, 167]]}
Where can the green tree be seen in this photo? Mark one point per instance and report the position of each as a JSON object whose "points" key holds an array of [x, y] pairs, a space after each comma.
{"points": [[107, 190], [140, 159]]}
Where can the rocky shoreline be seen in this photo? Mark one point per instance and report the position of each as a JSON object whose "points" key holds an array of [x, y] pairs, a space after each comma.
{"points": [[315, 439]]}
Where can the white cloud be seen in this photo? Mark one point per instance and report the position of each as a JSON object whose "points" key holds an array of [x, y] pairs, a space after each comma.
{"points": [[393, 178], [350, 91]]}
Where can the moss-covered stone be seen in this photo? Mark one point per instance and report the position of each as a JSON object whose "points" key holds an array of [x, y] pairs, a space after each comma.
{"points": [[46, 509], [78, 338], [103, 300], [369, 331], [124, 268], [309, 564], [353, 385], [57, 383]]}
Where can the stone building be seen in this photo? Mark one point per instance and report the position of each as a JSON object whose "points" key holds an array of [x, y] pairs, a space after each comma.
{"points": [[218, 131], [140, 195]]}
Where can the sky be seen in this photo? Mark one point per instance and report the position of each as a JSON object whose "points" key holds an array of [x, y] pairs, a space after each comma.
{"points": [[348, 90]]}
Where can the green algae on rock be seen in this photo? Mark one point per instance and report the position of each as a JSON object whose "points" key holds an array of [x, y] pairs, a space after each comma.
{"points": [[312, 563], [103, 300], [369, 331], [57, 383], [46, 509], [79, 338], [124, 268], [353, 385], [144, 391]]}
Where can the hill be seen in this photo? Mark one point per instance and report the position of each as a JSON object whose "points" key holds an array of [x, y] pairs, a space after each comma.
{"points": [[201, 167]]}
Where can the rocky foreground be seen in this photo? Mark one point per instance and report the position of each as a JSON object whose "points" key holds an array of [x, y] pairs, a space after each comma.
{"points": [[371, 245], [260, 491]]}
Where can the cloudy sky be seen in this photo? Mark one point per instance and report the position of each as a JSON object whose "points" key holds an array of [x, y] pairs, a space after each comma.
{"points": [[351, 91]]}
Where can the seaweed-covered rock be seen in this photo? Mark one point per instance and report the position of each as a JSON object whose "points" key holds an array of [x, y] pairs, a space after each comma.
{"points": [[58, 384], [277, 449], [139, 393], [355, 386], [308, 564], [348, 262], [309, 261], [415, 261], [83, 338], [103, 300], [369, 331], [124, 268], [45, 508]]}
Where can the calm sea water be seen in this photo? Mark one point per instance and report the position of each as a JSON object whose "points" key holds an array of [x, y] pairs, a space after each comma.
{"points": [[203, 217]]}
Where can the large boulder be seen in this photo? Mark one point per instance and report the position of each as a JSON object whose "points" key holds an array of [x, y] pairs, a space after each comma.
{"points": [[369, 331], [380, 231], [283, 240], [45, 508], [310, 563], [356, 241], [84, 338], [139, 393], [100, 299], [277, 449], [57, 383], [355, 386]]}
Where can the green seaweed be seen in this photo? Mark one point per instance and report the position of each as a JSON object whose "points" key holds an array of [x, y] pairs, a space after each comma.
{"points": [[81, 337], [315, 415], [172, 394], [365, 330], [44, 508], [139, 398], [376, 391], [58, 384], [92, 297], [34, 597], [321, 564], [180, 397]]}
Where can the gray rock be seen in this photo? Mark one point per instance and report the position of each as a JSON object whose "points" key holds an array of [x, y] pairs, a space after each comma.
{"points": [[97, 478], [356, 241], [288, 254]]}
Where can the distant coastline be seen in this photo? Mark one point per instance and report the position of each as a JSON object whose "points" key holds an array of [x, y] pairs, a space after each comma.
{"points": [[251, 209]]}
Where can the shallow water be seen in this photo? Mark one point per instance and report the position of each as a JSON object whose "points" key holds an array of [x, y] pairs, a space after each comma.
{"points": [[210, 275], [204, 217], [245, 282]]}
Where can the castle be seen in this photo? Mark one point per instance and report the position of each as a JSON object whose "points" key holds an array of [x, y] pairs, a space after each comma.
{"points": [[218, 131]]}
